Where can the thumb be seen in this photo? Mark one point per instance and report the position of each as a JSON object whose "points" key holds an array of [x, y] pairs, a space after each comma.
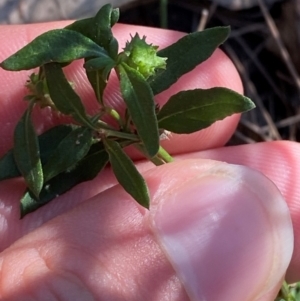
{"points": [[214, 232], [226, 230]]}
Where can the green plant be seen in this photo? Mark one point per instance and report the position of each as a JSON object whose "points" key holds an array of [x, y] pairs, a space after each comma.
{"points": [[68, 154], [289, 292]]}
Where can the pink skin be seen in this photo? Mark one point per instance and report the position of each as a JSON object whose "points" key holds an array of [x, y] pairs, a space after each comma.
{"points": [[95, 243]]}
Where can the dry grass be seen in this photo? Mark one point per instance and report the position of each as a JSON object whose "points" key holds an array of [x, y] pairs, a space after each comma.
{"points": [[264, 45]]}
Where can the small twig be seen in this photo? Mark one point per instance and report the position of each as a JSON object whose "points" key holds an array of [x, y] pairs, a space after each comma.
{"points": [[259, 66], [284, 122], [273, 130], [247, 29], [243, 138], [163, 7], [203, 20], [252, 130], [283, 51]]}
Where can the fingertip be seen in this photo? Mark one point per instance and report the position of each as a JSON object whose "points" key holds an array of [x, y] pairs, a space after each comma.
{"points": [[226, 227]]}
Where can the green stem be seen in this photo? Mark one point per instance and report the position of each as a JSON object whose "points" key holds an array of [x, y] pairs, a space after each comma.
{"points": [[163, 13], [31, 105], [101, 125], [156, 161], [285, 291], [164, 155], [115, 115], [117, 134]]}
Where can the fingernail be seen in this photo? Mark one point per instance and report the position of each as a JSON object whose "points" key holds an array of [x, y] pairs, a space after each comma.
{"points": [[227, 233]]}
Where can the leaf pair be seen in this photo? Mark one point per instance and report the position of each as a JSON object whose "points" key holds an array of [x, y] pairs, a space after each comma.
{"points": [[87, 169], [73, 159]]}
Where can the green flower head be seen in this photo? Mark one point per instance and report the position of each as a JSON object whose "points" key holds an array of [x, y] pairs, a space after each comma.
{"points": [[143, 57]]}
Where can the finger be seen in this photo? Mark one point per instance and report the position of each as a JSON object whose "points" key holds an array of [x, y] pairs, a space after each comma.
{"points": [[217, 71], [214, 232], [279, 161]]}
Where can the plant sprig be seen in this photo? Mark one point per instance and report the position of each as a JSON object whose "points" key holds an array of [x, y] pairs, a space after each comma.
{"points": [[69, 154]]}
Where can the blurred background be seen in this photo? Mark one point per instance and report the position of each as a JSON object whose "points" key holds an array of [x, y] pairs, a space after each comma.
{"points": [[264, 45]]}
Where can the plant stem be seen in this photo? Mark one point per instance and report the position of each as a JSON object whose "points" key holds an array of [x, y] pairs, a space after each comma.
{"points": [[164, 155], [285, 291], [157, 161], [161, 158], [163, 13], [128, 136], [115, 115]]}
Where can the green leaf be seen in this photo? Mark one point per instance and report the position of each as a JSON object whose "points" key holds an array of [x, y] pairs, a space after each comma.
{"points": [[186, 54], [93, 162], [104, 20], [98, 70], [27, 153], [194, 110], [85, 27], [98, 29], [58, 45], [99, 64], [140, 103], [63, 95], [126, 173], [87, 169], [114, 16], [98, 83], [51, 138], [68, 152], [8, 167]]}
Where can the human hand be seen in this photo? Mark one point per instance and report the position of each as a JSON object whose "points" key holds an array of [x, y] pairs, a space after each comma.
{"points": [[214, 231]]}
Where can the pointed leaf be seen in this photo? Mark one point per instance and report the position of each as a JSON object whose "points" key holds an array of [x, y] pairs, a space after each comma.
{"points": [[99, 63], [98, 71], [98, 28], [51, 138], [87, 169], [84, 26], [194, 110], [90, 166], [114, 16], [8, 167], [140, 103], [186, 54], [58, 45], [27, 153], [98, 83], [127, 174], [68, 152], [63, 95], [105, 19]]}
